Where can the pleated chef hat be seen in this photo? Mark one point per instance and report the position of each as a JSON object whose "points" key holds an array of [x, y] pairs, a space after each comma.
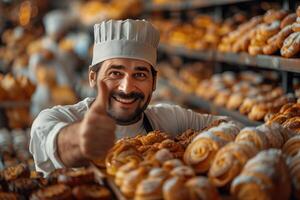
{"points": [[136, 39]]}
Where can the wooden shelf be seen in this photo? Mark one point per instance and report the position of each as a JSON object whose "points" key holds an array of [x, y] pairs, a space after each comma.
{"points": [[189, 4]]}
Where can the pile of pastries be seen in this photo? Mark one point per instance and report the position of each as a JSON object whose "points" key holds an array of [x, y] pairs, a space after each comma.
{"points": [[275, 31], [162, 2], [222, 159], [201, 34]]}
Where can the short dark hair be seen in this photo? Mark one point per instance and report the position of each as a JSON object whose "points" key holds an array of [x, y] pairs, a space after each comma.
{"points": [[96, 68]]}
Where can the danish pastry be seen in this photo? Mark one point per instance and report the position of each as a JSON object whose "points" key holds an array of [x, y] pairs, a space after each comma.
{"points": [[150, 188], [174, 189], [253, 135]]}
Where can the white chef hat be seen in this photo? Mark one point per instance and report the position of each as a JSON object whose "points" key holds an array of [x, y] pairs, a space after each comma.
{"points": [[136, 39]]}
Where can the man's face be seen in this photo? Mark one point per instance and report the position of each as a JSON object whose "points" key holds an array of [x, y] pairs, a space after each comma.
{"points": [[130, 84]]}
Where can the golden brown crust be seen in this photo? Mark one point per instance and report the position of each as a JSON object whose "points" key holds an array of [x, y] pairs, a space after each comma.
{"points": [[23, 186], [291, 45], [15, 172], [91, 192], [54, 192], [289, 19], [201, 188], [273, 15], [77, 177]]}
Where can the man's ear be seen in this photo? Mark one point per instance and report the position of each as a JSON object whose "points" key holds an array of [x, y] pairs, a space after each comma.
{"points": [[154, 84], [93, 78]]}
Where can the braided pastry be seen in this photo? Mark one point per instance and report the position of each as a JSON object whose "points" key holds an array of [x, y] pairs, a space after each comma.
{"points": [[91, 192], [293, 124], [171, 164], [296, 27], [157, 172], [230, 161], [153, 137], [174, 189], [186, 137], [201, 152], [54, 192], [292, 146], [262, 177], [124, 170], [274, 134], [201, 188], [150, 188], [184, 172]]}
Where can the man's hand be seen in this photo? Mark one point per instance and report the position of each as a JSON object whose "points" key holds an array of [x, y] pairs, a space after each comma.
{"points": [[97, 129]]}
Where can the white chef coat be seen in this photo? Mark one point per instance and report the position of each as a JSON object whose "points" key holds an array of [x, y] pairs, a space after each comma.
{"points": [[171, 119]]}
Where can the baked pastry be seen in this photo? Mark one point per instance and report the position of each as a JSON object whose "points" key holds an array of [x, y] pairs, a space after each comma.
{"points": [[77, 177], [175, 148], [255, 136], [289, 19], [235, 101], [292, 146], [186, 137], [273, 15], [132, 179], [162, 156], [294, 169], [273, 133], [169, 165], [153, 137], [293, 124], [247, 105], [201, 152], [258, 112], [23, 186], [262, 177], [296, 26], [15, 172], [230, 161], [120, 154], [157, 172], [184, 172], [291, 45], [124, 170], [91, 192], [201, 188], [9, 196], [150, 188], [54, 192], [174, 189]]}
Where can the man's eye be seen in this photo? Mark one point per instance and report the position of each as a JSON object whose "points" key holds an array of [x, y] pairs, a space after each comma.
{"points": [[115, 73], [140, 75]]}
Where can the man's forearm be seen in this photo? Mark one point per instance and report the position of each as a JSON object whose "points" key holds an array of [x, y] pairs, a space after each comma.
{"points": [[68, 147]]}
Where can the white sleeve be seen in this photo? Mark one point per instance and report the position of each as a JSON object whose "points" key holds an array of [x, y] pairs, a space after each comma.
{"points": [[43, 147]]}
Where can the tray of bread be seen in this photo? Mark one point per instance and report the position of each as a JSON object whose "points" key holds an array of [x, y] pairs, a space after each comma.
{"points": [[222, 161]]}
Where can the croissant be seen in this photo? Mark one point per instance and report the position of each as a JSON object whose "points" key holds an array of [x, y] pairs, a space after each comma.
{"points": [[294, 164], [273, 134], [292, 146], [256, 137], [262, 177], [230, 161], [201, 188], [293, 124], [201, 152]]}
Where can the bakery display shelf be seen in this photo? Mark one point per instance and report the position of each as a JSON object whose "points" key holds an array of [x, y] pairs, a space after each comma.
{"points": [[14, 104], [191, 4], [181, 51], [261, 61]]}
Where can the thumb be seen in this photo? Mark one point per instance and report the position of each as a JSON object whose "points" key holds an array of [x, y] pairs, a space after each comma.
{"points": [[101, 101]]}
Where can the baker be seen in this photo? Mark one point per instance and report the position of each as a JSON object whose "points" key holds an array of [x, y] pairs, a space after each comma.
{"points": [[123, 71]]}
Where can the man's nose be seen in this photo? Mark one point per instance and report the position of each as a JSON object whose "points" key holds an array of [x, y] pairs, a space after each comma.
{"points": [[126, 85]]}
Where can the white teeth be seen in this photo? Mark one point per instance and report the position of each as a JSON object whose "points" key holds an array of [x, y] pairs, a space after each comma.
{"points": [[128, 101]]}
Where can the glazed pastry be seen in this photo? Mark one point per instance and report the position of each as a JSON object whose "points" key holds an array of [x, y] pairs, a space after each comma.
{"points": [[294, 169], [262, 177], [169, 165], [184, 172], [54, 192], [153, 137], [235, 101], [91, 192], [186, 137], [253, 135], [131, 181], [175, 148], [230, 161], [258, 112], [201, 152], [201, 188], [275, 139], [162, 156], [174, 189], [157, 172], [293, 124], [124, 170], [9, 196], [77, 177], [247, 105], [150, 188], [15, 172], [292, 146]]}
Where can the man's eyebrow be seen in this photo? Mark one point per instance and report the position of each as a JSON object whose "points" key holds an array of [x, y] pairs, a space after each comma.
{"points": [[142, 68], [116, 67]]}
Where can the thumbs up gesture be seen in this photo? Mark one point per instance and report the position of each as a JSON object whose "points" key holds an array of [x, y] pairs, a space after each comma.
{"points": [[97, 129]]}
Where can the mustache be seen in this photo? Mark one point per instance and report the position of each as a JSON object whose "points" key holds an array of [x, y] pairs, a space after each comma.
{"points": [[132, 95]]}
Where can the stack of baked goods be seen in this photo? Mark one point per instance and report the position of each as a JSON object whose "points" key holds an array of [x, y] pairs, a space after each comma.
{"points": [[18, 182]]}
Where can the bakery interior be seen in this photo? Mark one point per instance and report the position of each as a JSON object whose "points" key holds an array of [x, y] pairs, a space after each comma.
{"points": [[237, 58]]}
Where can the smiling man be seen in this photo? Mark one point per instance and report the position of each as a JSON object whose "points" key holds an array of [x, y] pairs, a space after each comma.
{"points": [[123, 71]]}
